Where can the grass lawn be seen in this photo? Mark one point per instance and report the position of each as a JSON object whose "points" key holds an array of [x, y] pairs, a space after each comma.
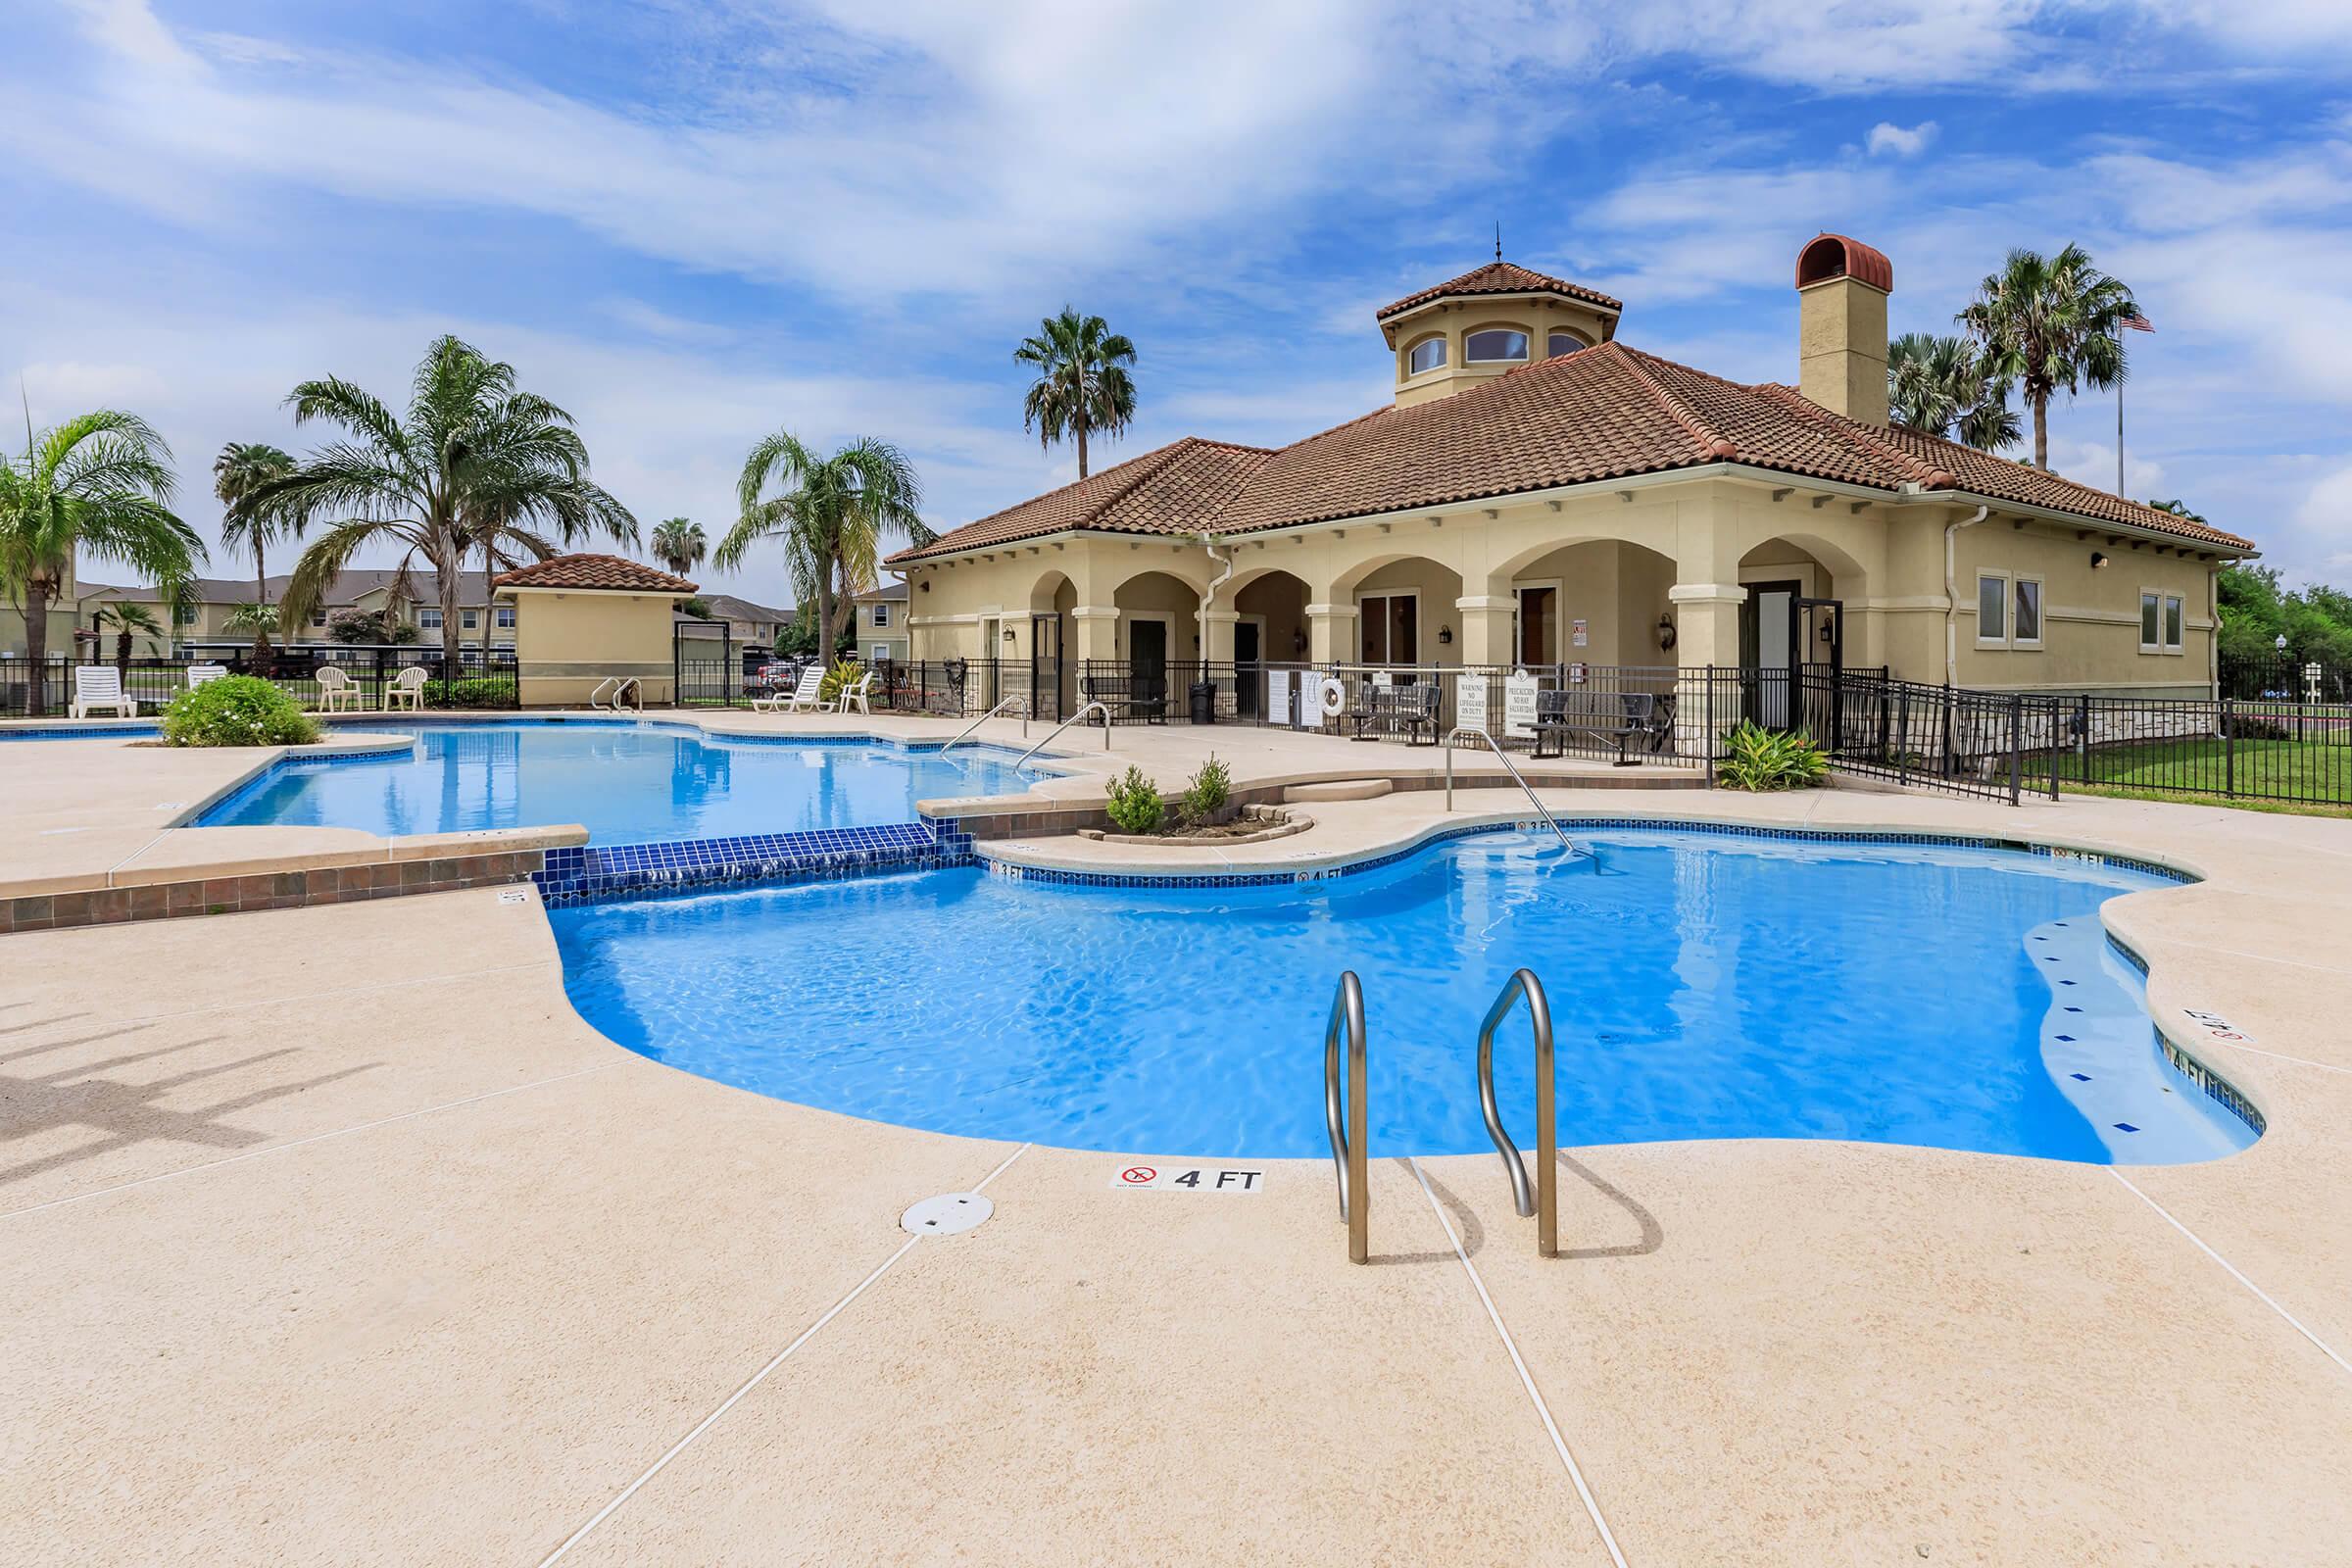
{"points": [[2303, 776]]}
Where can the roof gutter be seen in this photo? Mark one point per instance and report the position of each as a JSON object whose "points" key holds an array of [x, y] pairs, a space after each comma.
{"points": [[1951, 590]]}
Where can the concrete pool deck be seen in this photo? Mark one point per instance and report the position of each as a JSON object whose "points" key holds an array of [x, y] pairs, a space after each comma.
{"points": [[332, 1235]]}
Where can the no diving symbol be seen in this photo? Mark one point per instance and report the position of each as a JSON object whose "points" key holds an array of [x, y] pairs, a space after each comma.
{"points": [[1138, 1175]]}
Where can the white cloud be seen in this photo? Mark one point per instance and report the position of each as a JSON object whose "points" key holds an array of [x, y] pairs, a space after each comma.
{"points": [[1888, 138]]}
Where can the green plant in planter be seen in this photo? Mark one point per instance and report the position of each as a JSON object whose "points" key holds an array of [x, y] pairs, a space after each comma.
{"points": [[1760, 760], [1135, 803], [1206, 793], [845, 672], [237, 710]]}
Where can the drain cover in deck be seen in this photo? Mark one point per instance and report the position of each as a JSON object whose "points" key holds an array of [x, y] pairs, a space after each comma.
{"points": [[948, 1214]]}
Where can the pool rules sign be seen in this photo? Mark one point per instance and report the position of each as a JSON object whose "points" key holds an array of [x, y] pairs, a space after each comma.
{"points": [[1183, 1176]]}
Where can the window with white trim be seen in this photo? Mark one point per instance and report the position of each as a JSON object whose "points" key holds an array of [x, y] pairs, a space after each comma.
{"points": [[1559, 343], [2025, 618], [1493, 345], [1993, 609], [1391, 628], [2173, 622], [505, 614], [1427, 354], [881, 617], [470, 620], [429, 618]]}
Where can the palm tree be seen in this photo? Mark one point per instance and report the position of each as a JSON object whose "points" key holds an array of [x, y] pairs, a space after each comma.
{"points": [[239, 472], [1935, 384], [128, 620], [256, 617], [98, 485], [831, 514], [474, 468], [678, 545], [1082, 383], [2052, 325]]}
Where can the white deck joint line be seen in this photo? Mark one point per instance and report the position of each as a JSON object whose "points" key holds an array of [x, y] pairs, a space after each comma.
{"points": [[1527, 1378], [314, 1137], [2259, 1293], [756, 1379]]}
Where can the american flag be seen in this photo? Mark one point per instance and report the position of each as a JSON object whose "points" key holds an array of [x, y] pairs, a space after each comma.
{"points": [[2139, 322]]}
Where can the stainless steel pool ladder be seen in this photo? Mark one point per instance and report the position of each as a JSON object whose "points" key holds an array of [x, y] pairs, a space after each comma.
{"points": [[1545, 1202], [1344, 1115], [1083, 711], [610, 690], [1016, 700], [1509, 766]]}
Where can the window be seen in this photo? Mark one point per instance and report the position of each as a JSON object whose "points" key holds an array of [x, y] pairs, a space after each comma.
{"points": [[1392, 627], [2171, 623], [1992, 606], [881, 617], [1485, 348], [2025, 625], [319, 617], [184, 614], [429, 619], [881, 653], [1427, 354], [505, 614], [1560, 343], [470, 620]]}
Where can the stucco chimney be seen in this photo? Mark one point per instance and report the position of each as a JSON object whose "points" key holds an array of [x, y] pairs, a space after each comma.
{"points": [[1841, 289]]}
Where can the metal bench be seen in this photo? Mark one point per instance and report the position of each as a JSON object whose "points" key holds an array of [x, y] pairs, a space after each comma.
{"points": [[1127, 698], [1610, 719]]}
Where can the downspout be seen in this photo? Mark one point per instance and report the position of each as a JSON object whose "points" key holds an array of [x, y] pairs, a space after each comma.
{"points": [[1208, 543], [1951, 595]]}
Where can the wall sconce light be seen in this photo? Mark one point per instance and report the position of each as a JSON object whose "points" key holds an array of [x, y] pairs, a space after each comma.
{"points": [[2098, 559], [1665, 632], [1445, 635], [926, 585], [1009, 636]]}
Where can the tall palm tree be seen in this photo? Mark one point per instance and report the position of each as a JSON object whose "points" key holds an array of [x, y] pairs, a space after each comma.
{"points": [[679, 545], [239, 472], [1935, 384], [474, 468], [2051, 325], [98, 485], [1082, 383], [128, 620], [830, 513]]}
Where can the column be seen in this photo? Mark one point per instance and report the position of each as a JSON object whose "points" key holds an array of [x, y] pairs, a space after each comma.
{"points": [[1488, 621], [1331, 634]]}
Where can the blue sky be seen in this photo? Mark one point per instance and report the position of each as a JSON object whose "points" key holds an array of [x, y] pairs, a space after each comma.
{"points": [[695, 223]]}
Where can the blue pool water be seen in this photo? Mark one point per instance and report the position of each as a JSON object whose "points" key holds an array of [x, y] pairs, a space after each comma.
{"points": [[626, 782], [1702, 986]]}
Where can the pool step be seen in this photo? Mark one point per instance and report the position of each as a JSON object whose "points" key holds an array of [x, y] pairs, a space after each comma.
{"points": [[1338, 789]]}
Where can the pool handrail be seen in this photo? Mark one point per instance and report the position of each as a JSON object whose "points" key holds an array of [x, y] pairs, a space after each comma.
{"points": [[1546, 1202], [1016, 699], [1083, 709], [612, 688], [1509, 766], [1345, 1120]]}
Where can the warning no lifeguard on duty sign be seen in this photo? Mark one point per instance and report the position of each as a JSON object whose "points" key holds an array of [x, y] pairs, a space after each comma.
{"points": [[1163, 1176]]}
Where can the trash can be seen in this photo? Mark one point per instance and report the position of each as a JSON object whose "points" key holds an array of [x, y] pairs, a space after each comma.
{"points": [[1205, 701]]}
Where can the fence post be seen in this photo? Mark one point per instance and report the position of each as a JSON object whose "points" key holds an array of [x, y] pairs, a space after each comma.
{"points": [[2228, 751], [2017, 746], [1902, 745]]}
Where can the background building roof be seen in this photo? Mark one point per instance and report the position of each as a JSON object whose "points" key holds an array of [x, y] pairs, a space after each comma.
{"points": [[610, 572]]}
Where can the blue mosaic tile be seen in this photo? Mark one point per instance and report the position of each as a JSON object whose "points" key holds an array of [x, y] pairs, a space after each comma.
{"points": [[595, 873]]}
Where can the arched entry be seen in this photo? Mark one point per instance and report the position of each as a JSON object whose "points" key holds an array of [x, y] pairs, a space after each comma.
{"points": [[1158, 630], [1052, 674], [1269, 628], [1791, 636], [1405, 611]]}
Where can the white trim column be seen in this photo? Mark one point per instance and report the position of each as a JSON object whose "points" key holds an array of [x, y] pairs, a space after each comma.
{"points": [[1487, 623], [1331, 633]]}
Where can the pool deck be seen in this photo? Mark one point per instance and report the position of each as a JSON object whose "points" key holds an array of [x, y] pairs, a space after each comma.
{"points": [[332, 1235]]}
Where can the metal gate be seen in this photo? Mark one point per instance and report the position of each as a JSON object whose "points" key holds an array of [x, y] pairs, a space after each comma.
{"points": [[1045, 667], [704, 664]]}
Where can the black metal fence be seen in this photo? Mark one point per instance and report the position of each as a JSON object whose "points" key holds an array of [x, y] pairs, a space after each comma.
{"points": [[2282, 678], [456, 678], [2292, 753]]}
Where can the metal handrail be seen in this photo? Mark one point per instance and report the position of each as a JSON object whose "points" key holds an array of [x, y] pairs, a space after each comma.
{"points": [[1002, 705], [1345, 1117], [1546, 1203], [610, 688], [1509, 766], [1083, 709]]}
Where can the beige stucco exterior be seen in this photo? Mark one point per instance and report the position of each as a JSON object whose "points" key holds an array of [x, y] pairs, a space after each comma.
{"points": [[1619, 556], [1453, 320], [569, 640]]}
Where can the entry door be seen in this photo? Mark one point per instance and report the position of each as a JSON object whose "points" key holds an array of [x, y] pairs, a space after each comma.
{"points": [[1768, 627], [1539, 626], [1147, 656], [1247, 653], [1045, 667], [1821, 667]]}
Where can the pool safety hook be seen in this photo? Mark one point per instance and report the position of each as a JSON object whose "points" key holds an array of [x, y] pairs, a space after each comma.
{"points": [[1545, 1202], [1344, 1115]]}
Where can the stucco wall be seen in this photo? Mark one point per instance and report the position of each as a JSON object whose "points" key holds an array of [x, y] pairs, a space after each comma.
{"points": [[1456, 319], [566, 641]]}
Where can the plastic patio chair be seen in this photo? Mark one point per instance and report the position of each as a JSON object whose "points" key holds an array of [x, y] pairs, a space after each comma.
{"points": [[406, 687], [97, 686], [337, 692]]}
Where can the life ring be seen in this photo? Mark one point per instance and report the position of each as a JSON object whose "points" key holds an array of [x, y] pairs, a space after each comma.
{"points": [[1331, 697]]}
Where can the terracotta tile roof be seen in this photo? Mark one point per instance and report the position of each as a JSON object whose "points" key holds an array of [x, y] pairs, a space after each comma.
{"points": [[1502, 278], [1179, 488], [1605, 413], [595, 571]]}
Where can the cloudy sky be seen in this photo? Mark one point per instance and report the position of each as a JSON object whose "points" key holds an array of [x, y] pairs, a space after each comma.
{"points": [[692, 224]]}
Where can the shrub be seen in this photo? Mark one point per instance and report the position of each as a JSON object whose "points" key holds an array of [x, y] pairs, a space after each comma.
{"points": [[369, 626], [1761, 759], [1206, 793], [237, 710], [1135, 804], [480, 692], [845, 672]]}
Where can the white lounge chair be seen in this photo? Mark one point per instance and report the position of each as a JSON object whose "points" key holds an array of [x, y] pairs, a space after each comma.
{"points": [[97, 686], [406, 687], [804, 698], [198, 675], [338, 693], [855, 691]]}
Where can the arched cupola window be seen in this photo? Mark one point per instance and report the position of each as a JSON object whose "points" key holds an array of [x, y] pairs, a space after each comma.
{"points": [[1560, 343], [1493, 345], [1427, 354]]}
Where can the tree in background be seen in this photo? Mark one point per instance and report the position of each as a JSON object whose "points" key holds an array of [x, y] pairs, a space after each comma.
{"points": [[239, 472], [679, 545], [2051, 325], [475, 468], [369, 626], [1936, 385], [2257, 609], [98, 485], [831, 514], [128, 620], [1082, 383]]}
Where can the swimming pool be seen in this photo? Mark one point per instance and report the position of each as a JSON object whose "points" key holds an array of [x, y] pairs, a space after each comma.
{"points": [[627, 782], [1702, 986]]}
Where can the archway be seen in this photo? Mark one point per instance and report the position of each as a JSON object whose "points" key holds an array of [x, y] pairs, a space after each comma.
{"points": [[1594, 602], [1053, 673], [1406, 612], [1158, 631], [1269, 628], [1792, 632]]}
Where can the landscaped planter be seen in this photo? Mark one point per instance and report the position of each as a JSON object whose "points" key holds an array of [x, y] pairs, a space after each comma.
{"points": [[1244, 825]]}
